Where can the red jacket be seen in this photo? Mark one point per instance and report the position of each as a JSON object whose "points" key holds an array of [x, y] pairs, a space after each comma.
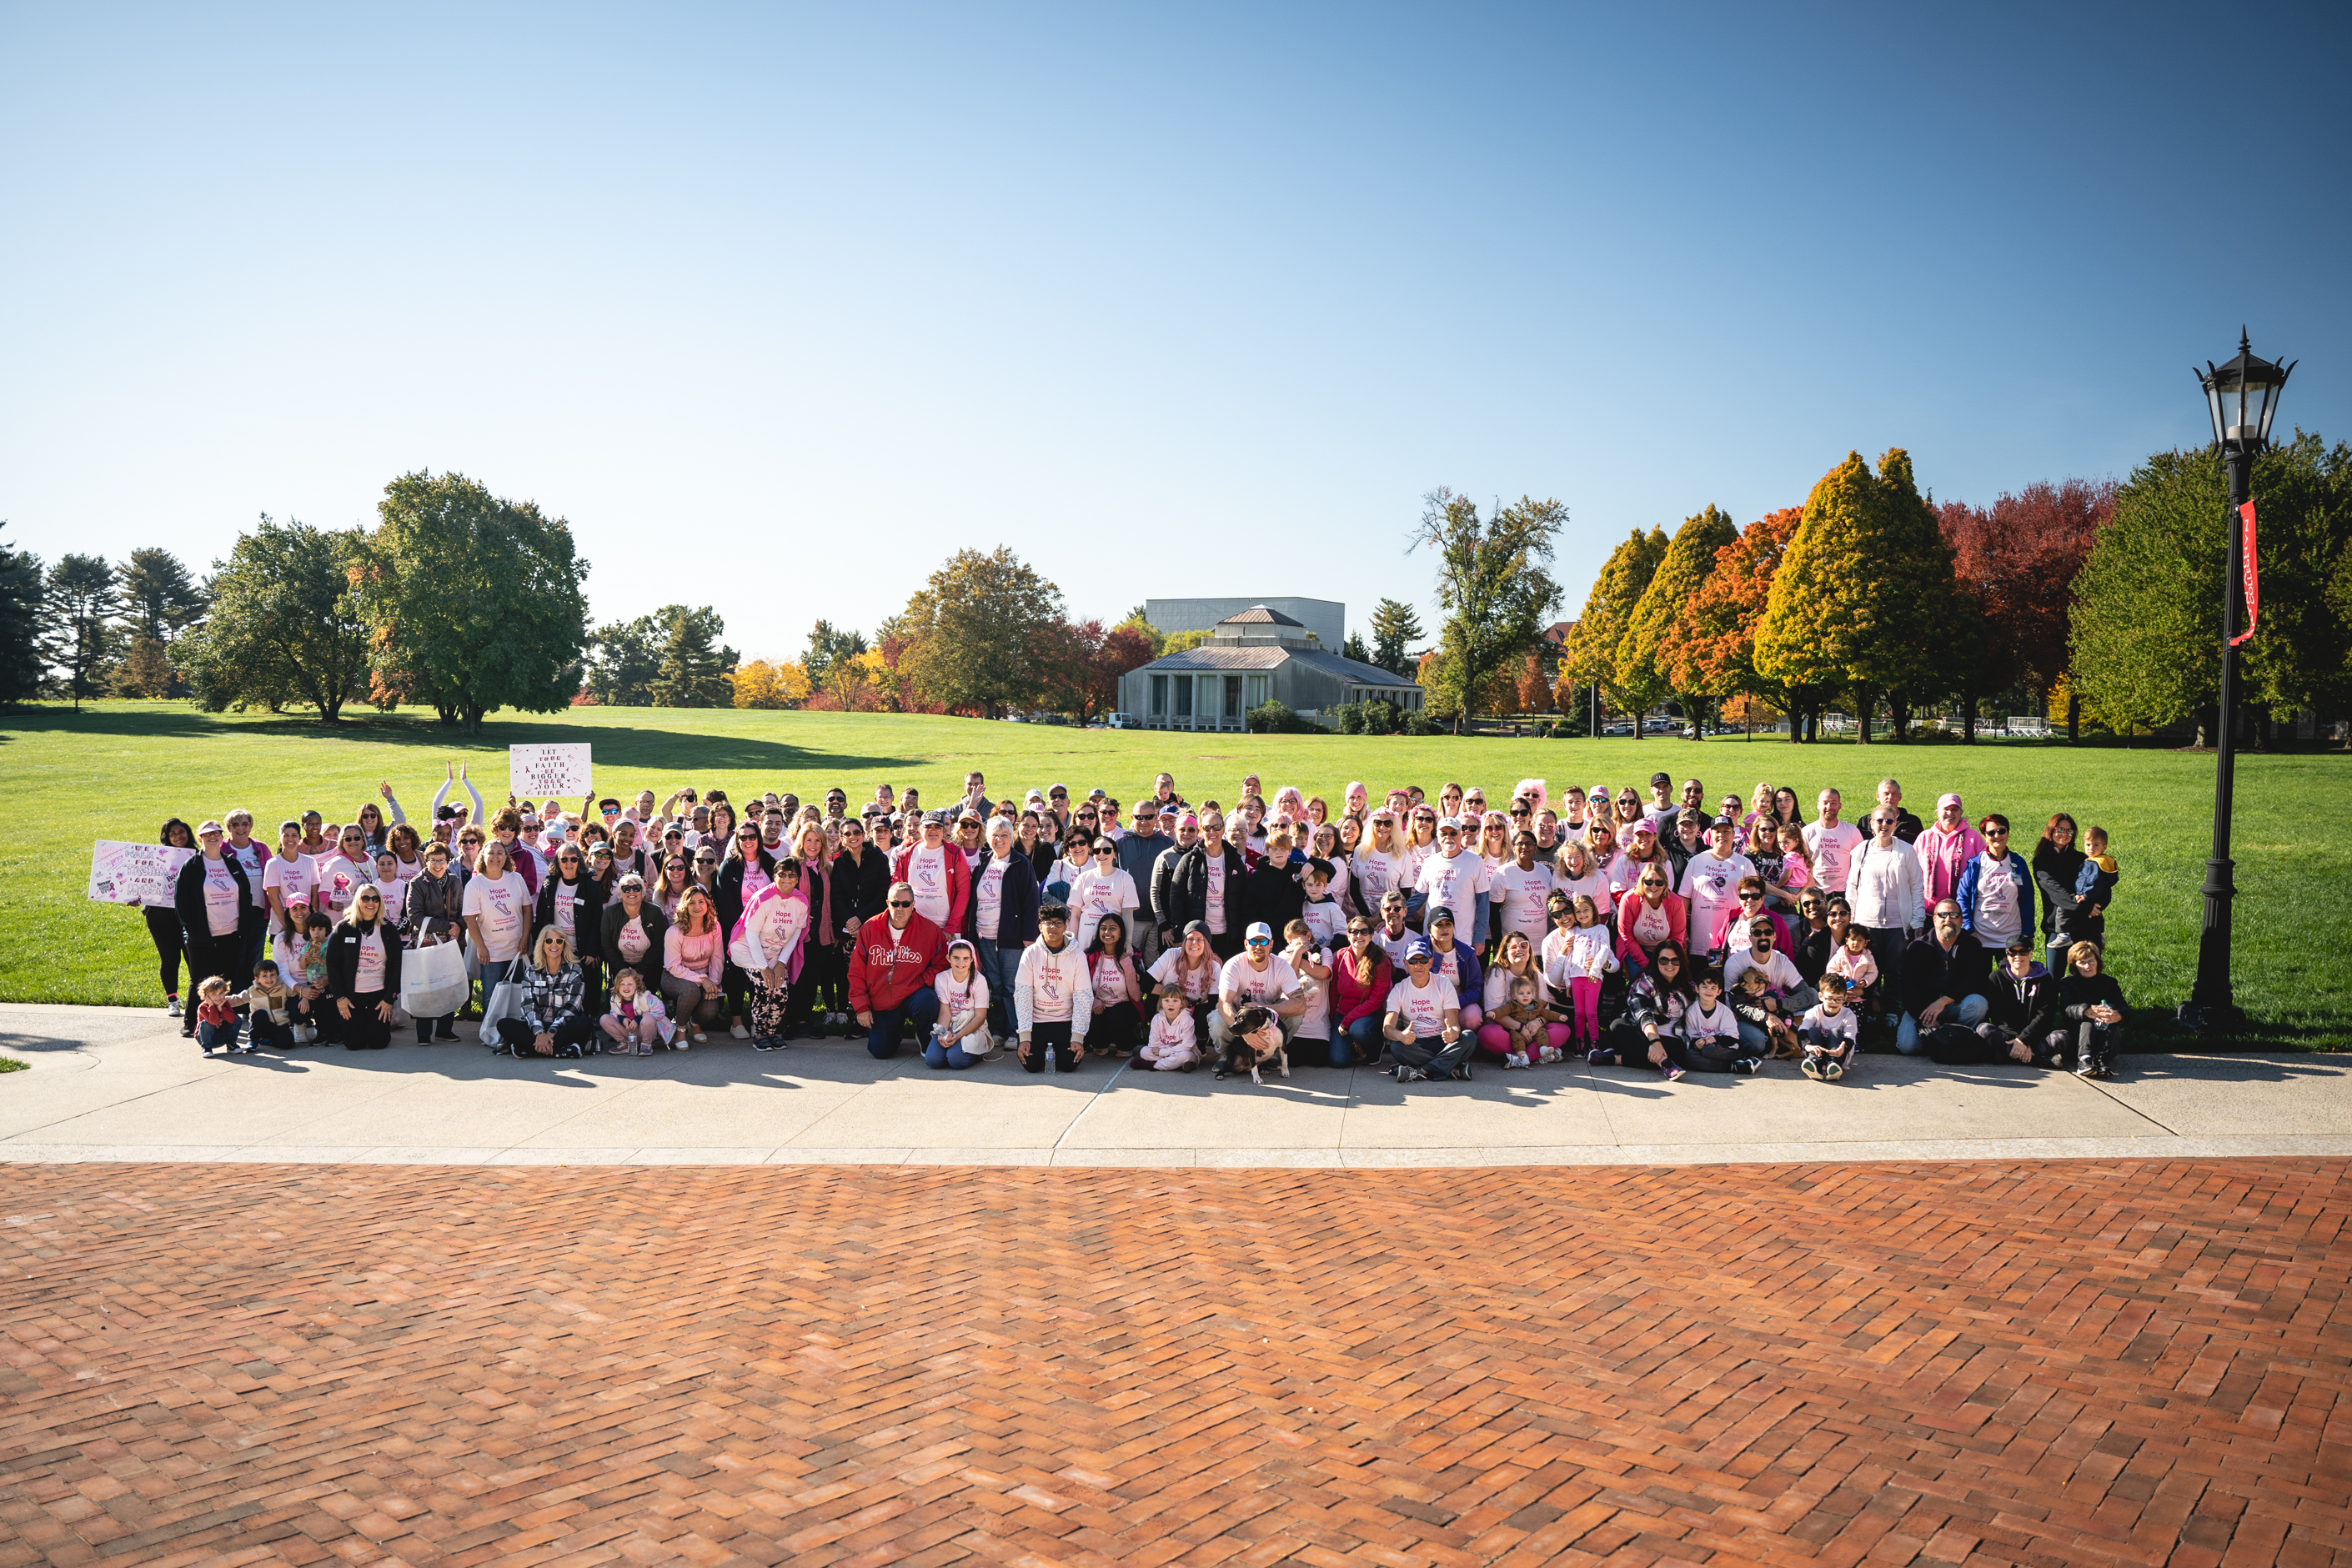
{"points": [[958, 877], [891, 966], [1352, 1000], [1677, 911]]}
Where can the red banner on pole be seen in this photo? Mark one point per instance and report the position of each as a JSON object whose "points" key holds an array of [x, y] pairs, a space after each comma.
{"points": [[2253, 586]]}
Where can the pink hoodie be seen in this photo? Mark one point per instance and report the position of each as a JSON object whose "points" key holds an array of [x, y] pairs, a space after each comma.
{"points": [[1942, 854]]}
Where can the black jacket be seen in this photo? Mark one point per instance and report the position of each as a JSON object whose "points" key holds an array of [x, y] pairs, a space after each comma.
{"points": [[343, 957], [439, 901], [2076, 992], [1188, 888], [728, 892], [188, 899], [654, 924], [2028, 1008], [1273, 894], [1930, 972], [861, 888], [587, 914], [1016, 911], [2055, 872], [1814, 951]]}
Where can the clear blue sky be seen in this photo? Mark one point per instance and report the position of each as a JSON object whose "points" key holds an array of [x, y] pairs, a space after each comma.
{"points": [[1174, 301]]}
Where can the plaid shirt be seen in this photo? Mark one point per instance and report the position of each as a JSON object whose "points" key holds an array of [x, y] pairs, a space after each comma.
{"points": [[549, 1000]]}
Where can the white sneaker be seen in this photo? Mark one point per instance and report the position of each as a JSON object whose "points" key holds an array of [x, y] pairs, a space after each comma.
{"points": [[740, 1032], [176, 1006], [1551, 1055], [304, 1034], [1514, 1058]]}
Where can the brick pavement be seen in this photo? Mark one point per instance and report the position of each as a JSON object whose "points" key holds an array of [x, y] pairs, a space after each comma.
{"points": [[2081, 1362]]}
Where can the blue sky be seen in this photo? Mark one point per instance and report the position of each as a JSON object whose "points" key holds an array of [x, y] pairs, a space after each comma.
{"points": [[780, 308]]}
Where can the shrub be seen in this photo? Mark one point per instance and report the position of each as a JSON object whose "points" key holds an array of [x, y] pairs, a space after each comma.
{"points": [[1275, 718], [1422, 724]]}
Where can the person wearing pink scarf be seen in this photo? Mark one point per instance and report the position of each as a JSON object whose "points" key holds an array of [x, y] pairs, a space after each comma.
{"points": [[1944, 848]]}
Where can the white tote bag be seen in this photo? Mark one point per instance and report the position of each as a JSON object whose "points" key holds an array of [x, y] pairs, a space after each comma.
{"points": [[433, 980]]}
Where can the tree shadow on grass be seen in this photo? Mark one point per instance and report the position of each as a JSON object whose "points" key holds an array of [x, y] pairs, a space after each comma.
{"points": [[631, 747]]}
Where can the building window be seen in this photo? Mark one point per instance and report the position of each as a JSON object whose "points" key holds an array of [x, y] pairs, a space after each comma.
{"points": [[1233, 696], [1257, 684], [1159, 695], [1184, 695]]}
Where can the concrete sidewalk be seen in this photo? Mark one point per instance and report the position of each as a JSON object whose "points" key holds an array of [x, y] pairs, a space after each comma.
{"points": [[120, 1085]]}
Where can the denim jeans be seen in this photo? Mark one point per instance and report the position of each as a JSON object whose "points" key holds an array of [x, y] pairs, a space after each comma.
{"points": [[1000, 966], [1968, 1012], [921, 1009], [1359, 1041]]}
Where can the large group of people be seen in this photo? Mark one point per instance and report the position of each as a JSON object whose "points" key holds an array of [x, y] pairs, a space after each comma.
{"points": [[1652, 930]]}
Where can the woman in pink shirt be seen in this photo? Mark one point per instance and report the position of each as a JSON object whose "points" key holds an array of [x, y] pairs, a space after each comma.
{"points": [[1944, 848], [694, 962]]}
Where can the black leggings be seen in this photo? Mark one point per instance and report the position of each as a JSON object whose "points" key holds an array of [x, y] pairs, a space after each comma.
{"points": [[164, 929]]}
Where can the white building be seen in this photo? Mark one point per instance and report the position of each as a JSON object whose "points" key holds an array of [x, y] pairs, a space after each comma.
{"points": [[1257, 654]]}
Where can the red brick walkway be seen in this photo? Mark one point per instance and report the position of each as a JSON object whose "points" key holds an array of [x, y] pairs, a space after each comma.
{"points": [[2069, 1364]]}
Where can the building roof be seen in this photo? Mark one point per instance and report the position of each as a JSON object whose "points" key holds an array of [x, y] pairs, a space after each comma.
{"points": [[1223, 656], [1347, 669], [1233, 656], [1557, 632], [1259, 615]]}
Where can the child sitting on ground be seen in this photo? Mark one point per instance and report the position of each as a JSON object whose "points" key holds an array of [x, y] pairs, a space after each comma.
{"points": [[310, 973], [1526, 1020], [1173, 1043], [273, 1008], [637, 1022], [216, 1018], [1711, 1031], [1828, 1031], [961, 1038], [1758, 1005]]}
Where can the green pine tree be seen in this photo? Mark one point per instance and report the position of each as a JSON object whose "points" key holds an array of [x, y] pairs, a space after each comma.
{"points": [[697, 670], [20, 625]]}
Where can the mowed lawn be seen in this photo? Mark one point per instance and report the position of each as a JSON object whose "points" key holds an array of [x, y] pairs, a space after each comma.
{"points": [[117, 769]]}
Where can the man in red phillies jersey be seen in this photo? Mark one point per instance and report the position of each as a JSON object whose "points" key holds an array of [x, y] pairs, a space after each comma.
{"points": [[899, 954]]}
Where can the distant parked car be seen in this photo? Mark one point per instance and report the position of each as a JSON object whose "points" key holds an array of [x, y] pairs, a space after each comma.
{"points": [[1124, 721]]}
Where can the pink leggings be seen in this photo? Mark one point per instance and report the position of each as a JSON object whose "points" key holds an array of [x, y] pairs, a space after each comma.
{"points": [[1584, 993], [1495, 1042]]}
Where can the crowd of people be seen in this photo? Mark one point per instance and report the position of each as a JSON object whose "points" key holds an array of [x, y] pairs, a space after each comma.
{"points": [[1656, 932]]}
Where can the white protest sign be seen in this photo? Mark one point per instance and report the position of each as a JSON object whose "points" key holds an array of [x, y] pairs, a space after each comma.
{"points": [[536, 772], [123, 873]]}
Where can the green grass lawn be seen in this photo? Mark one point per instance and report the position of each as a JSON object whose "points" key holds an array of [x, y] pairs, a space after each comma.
{"points": [[117, 769]]}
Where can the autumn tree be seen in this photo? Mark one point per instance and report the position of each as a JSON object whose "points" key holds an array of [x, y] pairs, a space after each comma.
{"points": [[2020, 556], [765, 683], [1493, 581], [972, 629], [1712, 646], [1865, 594], [1646, 662], [1590, 655], [828, 645]]}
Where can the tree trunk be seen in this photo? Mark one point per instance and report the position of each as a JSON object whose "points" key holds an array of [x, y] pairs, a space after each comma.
{"points": [[1862, 706], [2074, 717], [1968, 716], [473, 720], [1898, 715], [448, 716]]}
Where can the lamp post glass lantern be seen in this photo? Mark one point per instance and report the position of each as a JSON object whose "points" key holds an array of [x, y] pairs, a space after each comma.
{"points": [[2242, 398]]}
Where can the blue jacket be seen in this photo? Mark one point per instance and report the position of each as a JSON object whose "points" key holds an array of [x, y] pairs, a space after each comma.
{"points": [[1016, 913], [1472, 985], [1965, 895]]}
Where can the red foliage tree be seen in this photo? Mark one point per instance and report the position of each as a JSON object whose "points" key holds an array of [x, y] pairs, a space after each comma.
{"points": [[1082, 661], [1712, 647], [2019, 557]]}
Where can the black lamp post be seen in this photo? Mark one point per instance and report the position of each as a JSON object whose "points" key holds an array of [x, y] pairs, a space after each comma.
{"points": [[2242, 397]]}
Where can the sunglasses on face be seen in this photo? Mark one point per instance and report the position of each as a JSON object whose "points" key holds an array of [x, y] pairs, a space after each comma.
{"points": [[1359, 931], [1259, 942], [902, 904], [677, 865]]}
